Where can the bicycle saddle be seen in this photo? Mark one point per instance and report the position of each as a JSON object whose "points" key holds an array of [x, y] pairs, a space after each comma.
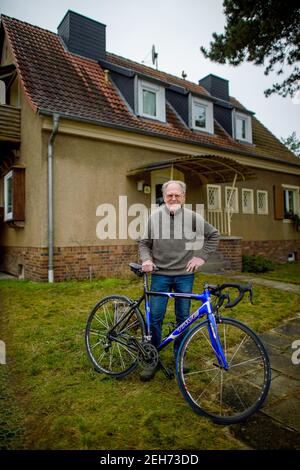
{"points": [[136, 268]]}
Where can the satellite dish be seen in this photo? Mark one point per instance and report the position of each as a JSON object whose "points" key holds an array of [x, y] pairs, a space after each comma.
{"points": [[154, 56]]}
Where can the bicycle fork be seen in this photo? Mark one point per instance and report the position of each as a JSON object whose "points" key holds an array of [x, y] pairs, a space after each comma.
{"points": [[216, 343]]}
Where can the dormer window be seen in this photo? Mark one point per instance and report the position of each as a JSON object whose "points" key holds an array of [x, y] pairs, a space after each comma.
{"points": [[243, 127], [202, 115], [151, 100]]}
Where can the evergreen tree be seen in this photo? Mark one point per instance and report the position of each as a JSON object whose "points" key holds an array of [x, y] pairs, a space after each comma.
{"points": [[264, 32], [292, 143]]}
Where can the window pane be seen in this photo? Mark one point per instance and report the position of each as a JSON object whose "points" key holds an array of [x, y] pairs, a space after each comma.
{"points": [[149, 102], [247, 201], [2, 92], [213, 198], [231, 199], [241, 128], [262, 202], [9, 194], [200, 115], [289, 202]]}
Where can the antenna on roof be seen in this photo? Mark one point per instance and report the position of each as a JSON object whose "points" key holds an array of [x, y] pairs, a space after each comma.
{"points": [[154, 56]]}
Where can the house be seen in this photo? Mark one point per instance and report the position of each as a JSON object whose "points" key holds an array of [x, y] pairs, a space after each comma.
{"points": [[84, 130]]}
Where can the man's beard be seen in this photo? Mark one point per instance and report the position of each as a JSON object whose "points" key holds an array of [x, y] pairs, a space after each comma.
{"points": [[173, 207]]}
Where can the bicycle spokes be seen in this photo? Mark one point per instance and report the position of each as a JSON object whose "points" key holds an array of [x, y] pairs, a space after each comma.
{"points": [[112, 333], [227, 396]]}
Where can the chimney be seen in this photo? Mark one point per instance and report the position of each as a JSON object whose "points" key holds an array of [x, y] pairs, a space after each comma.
{"points": [[83, 36], [216, 86]]}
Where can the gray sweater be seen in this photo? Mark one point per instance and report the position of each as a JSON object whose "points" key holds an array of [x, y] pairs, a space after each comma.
{"points": [[170, 241]]}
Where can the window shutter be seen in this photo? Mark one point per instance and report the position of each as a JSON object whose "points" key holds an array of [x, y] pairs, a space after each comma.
{"points": [[278, 203], [18, 194]]}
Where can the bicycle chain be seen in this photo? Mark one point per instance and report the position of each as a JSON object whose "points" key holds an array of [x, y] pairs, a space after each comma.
{"points": [[150, 356]]}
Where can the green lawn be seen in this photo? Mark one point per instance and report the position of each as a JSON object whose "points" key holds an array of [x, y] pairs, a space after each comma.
{"points": [[53, 399], [288, 272]]}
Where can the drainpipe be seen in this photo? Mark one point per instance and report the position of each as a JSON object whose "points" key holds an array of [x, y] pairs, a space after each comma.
{"points": [[50, 199]]}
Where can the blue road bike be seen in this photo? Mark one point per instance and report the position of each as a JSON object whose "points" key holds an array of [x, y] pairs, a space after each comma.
{"points": [[222, 366]]}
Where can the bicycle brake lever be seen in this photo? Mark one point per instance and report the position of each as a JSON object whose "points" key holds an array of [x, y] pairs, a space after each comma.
{"points": [[222, 298]]}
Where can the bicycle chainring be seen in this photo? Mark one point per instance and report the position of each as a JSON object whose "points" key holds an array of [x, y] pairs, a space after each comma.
{"points": [[148, 358]]}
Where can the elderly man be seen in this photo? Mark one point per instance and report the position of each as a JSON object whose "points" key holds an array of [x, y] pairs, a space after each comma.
{"points": [[177, 241]]}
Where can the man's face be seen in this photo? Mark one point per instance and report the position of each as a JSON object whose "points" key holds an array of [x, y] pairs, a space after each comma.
{"points": [[174, 198]]}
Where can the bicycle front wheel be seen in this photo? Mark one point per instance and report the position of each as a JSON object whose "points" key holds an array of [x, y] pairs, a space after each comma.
{"points": [[111, 350], [225, 396]]}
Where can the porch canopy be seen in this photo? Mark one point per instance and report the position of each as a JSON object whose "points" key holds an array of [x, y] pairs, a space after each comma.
{"points": [[208, 168]]}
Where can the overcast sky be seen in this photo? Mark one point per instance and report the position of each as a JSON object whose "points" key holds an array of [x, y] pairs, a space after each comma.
{"points": [[177, 28]]}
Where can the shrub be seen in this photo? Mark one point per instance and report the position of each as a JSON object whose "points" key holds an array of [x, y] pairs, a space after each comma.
{"points": [[257, 264]]}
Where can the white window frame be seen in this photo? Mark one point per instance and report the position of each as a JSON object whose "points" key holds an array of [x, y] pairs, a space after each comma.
{"points": [[218, 188], [296, 190], [160, 100], [245, 210], [266, 210], [248, 127], [209, 116], [235, 207], [8, 215]]}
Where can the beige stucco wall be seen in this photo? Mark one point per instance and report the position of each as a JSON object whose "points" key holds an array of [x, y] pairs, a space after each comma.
{"points": [[264, 227], [30, 156], [89, 171]]}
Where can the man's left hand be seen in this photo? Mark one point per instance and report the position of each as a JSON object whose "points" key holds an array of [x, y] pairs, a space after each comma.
{"points": [[193, 264]]}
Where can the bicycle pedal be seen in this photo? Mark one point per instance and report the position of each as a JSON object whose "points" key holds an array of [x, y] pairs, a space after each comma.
{"points": [[168, 373], [217, 365]]}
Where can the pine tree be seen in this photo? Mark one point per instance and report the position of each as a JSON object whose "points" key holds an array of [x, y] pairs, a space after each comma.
{"points": [[264, 32]]}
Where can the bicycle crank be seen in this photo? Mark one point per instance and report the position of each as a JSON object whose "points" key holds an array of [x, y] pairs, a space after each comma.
{"points": [[148, 355]]}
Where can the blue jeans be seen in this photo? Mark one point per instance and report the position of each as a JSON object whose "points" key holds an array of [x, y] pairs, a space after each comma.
{"points": [[158, 305]]}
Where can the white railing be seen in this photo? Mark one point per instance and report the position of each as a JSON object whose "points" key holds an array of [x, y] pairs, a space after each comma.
{"points": [[221, 219]]}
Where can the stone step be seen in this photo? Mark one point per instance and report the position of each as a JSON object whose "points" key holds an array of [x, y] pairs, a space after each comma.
{"points": [[216, 264], [215, 267]]}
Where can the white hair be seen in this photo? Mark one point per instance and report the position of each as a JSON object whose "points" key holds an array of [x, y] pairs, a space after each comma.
{"points": [[180, 183]]}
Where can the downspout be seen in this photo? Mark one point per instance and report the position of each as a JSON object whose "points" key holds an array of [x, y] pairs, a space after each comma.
{"points": [[50, 199]]}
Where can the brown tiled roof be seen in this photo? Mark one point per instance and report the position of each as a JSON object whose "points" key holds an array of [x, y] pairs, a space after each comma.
{"points": [[193, 87], [55, 80], [265, 142]]}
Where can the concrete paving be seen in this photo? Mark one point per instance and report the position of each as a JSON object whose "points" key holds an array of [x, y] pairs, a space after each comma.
{"points": [[269, 283], [277, 424], [6, 276]]}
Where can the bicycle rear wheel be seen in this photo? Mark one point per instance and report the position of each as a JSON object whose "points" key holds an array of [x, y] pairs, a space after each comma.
{"points": [[114, 352], [230, 396]]}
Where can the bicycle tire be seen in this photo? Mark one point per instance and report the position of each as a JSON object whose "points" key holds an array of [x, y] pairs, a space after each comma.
{"points": [[226, 397], [113, 355]]}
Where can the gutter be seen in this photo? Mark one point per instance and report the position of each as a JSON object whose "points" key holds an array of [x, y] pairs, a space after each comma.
{"points": [[50, 199], [72, 117]]}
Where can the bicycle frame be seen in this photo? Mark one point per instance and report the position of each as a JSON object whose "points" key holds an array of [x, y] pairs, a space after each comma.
{"points": [[204, 309]]}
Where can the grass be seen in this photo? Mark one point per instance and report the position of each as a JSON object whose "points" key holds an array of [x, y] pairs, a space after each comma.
{"points": [[53, 398], [288, 272]]}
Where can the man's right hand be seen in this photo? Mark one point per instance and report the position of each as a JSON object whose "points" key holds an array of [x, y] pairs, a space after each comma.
{"points": [[148, 266]]}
